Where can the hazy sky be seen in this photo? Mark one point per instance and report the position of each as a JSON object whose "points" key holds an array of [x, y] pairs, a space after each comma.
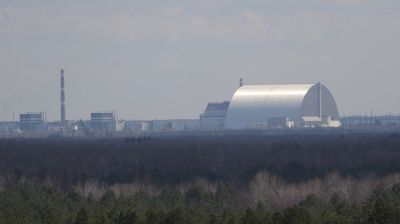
{"points": [[168, 59]]}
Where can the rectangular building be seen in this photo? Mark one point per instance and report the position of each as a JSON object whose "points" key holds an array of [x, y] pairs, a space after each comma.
{"points": [[214, 115], [103, 121], [32, 121]]}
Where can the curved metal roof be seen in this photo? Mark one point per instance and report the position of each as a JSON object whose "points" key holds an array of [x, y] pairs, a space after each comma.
{"points": [[252, 105]]}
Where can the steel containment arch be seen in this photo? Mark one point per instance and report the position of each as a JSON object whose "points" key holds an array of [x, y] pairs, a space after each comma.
{"points": [[254, 105]]}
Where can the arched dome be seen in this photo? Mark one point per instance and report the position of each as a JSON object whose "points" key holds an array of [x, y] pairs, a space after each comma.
{"points": [[254, 105]]}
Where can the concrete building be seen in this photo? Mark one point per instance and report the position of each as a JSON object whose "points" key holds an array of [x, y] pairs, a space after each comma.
{"points": [[8, 126], [192, 124], [175, 125], [32, 122], [372, 120], [214, 115], [269, 106], [170, 125], [103, 121]]}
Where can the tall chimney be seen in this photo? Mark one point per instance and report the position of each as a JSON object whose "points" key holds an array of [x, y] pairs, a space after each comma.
{"points": [[62, 98]]}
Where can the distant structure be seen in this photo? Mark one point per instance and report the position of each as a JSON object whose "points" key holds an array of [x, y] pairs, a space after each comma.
{"points": [[174, 125], [8, 126], [169, 125], [214, 115], [241, 82], [371, 121], [32, 122], [105, 121], [271, 106], [62, 99]]}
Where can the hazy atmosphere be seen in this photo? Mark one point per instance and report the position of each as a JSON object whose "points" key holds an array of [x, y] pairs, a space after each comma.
{"points": [[168, 59]]}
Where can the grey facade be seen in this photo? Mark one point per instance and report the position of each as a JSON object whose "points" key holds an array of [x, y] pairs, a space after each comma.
{"points": [[214, 116], [31, 122], [372, 120], [103, 121]]}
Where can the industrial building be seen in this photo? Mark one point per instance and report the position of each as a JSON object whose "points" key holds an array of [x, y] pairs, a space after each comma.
{"points": [[214, 115], [270, 106], [8, 126], [33, 121], [372, 120], [103, 121], [174, 125], [170, 125], [137, 126]]}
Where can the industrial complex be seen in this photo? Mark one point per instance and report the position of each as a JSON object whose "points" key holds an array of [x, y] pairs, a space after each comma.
{"points": [[252, 107]]}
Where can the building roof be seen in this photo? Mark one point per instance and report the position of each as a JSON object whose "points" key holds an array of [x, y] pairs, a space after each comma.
{"points": [[312, 119], [222, 106]]}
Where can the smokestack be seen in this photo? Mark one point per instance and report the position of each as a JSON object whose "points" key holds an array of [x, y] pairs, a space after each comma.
{"points": [[62, 98]]}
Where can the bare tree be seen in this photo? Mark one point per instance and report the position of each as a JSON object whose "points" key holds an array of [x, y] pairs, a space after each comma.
{"points": [[90, 188]]}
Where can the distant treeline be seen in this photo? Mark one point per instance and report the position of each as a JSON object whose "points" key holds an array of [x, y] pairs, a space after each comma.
{"points": [[222, 178], [233, 159], [34, 204]]}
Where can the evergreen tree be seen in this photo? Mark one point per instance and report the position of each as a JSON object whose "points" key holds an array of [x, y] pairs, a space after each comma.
{"points": [[131, 218], [82, 217], [154, 216], [175, 217], [121, 218]]}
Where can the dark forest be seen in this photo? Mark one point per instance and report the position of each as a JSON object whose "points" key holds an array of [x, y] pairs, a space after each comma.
{"points": [[220, 178]]}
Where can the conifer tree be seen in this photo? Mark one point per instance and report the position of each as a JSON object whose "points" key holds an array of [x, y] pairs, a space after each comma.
{"points": [[82, 217]]}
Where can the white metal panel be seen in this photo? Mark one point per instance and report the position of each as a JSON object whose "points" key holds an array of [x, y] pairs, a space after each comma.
{"points": [[252, 105]]}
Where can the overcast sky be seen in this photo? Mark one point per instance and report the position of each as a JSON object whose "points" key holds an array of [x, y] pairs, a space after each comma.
{"points": [[168, 59]]}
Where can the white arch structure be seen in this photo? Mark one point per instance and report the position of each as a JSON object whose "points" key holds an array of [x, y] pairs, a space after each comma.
{"points": [[255, 106]]}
